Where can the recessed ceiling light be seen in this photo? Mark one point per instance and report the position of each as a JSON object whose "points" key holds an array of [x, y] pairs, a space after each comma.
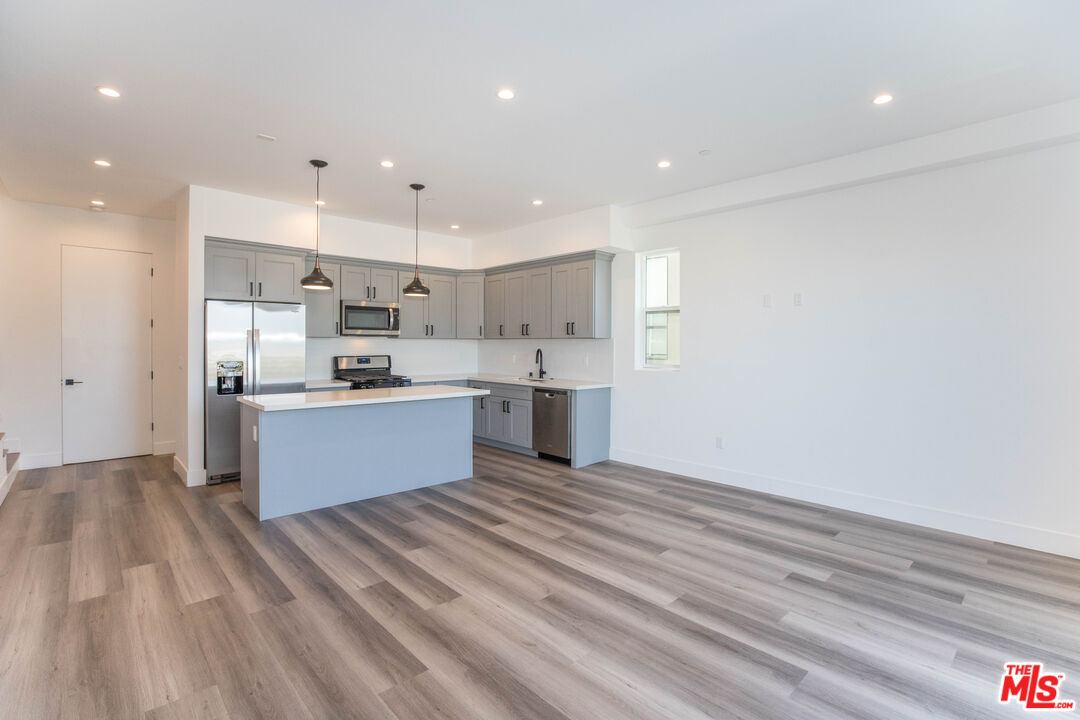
{"points": [[455, 227], [664, 164], [387, 164], [505, 94], [98, 203], [102, 163], [883, 99], [108, 91], [320, 202], [538, 202]]}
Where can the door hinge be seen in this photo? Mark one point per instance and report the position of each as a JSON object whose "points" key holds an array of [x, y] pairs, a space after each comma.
{"points": [[151, 374], [151, 427], [151, 272], [151, 322]]}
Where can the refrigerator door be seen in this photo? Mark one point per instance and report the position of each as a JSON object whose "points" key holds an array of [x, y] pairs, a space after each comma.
{"points": [[280, 337], [227, 375]]}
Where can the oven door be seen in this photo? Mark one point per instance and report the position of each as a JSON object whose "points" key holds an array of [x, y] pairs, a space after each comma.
{"points": [[361, 317]]}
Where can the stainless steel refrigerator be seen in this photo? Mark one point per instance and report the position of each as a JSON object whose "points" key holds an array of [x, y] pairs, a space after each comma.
{"points": [[251, 349]]}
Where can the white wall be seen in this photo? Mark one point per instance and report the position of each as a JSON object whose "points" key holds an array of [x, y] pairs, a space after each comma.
{"points": [[931, 375], [409, 357], [31, 236], [571, 359]]}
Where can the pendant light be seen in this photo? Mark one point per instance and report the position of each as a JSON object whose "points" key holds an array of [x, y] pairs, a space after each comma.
{"points": [[416, 288], [317, 279]]}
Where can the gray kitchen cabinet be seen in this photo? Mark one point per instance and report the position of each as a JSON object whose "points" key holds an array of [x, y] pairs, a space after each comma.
{"points": [[506, 415], [481, 416], [230, 273], [323, 307], [355, 282], [518, 425], [581, 299], [441, 305], [517, 291], [538, 303], [495, 306], [277, 277], [433, 316], [384, 284], [470, 306]]}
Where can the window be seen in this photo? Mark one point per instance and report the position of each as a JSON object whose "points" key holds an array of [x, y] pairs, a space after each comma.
{"points": [[660, 301]]}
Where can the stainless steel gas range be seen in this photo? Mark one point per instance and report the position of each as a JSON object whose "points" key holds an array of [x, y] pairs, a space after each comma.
{"points": [[367, 371]]}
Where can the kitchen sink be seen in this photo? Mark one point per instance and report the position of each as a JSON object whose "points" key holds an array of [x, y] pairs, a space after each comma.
{"points": [[533, 379]]}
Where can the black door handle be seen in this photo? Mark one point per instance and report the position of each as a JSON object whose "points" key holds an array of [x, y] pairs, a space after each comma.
{"points": [[573, 328], [251, 289], [374, 291], [522, 328], [527, 328], [481, 403], [336, 330], [70, 381], [567, 328], [367, 291], [500, 330], [260, 288], [433, 330]]}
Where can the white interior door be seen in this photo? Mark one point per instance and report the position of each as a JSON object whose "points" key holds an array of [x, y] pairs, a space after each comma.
{"points": [[106, 358]]}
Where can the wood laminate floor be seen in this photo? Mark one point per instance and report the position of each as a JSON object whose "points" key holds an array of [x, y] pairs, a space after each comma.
{"points": [[530, 591]]}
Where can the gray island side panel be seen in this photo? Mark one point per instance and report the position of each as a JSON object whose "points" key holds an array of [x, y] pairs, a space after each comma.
{"points": [[316, 458], [590, 419]]}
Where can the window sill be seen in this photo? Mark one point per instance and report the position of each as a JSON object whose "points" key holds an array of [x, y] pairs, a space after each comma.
{"points": [[659, 368]]}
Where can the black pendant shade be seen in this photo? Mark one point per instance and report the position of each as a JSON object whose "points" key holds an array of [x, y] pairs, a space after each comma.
{"points": [[416, 288], [316, 279]]}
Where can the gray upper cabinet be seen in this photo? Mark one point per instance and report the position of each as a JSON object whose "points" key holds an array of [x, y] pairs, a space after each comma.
{"points": [[441, 305], [384, 284], [470, 306], [581, 299], [230, 273], [323, 306], [234, 273], [538, 303], [495, 306], [433, 316], [355, 282], [517, 298], [277, 277]]}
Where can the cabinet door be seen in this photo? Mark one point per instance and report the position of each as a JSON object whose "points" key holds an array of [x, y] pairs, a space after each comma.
{"points": [[277, 278], [441, 305], [582, 298], [384, 284], [516, 299], [470, 306], [356, 282], [518, 430], [561, 315], [481, 414], [230, 274], [495, 306], [538, 303], [413, 310], [323, 306], [498, 420]]}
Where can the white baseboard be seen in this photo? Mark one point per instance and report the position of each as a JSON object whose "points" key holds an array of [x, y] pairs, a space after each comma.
{"points": [[985, 528], [191, 478], [41, 460], [165, 447]]}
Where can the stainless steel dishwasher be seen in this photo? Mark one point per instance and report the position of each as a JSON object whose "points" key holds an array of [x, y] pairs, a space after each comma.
{"points": [[551, 422]]}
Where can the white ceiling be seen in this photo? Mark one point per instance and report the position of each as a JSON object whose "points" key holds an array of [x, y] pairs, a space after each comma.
{"points": [[605, 89]]}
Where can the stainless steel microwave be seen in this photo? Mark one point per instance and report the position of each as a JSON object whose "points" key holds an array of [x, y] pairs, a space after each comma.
{"points": [[364, 317]]}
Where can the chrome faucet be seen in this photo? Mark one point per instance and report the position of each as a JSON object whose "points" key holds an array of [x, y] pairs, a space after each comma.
{"points": [[540, 360]]}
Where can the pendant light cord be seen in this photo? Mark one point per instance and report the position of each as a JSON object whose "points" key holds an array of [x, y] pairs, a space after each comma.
{"points": [[416, 224], [318, 210]]}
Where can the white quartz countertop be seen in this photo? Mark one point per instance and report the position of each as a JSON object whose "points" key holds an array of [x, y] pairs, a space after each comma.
{"points": [[342, 398], [553, 383], [324, 383]]}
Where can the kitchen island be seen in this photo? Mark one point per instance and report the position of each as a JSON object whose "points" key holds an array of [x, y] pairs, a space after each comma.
{"points": [[304, 451]]}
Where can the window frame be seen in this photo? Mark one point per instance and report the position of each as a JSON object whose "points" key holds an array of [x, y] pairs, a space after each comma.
{"points": [[642, 358]]}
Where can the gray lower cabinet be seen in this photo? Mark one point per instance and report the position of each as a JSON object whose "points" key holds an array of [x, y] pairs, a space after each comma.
{"points": [[277, 277], [433, 316], [323, 307], [470, 306], [230, 273], [504, 416], [495, 306]]}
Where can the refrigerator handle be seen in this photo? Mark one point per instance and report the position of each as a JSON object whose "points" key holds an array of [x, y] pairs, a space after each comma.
{"points": [[249, 367], [256, 361]]}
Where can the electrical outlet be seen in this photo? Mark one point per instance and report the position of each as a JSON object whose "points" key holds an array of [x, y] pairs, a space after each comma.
{"points": [[797, 300], [766, 300], [719, 443]]}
